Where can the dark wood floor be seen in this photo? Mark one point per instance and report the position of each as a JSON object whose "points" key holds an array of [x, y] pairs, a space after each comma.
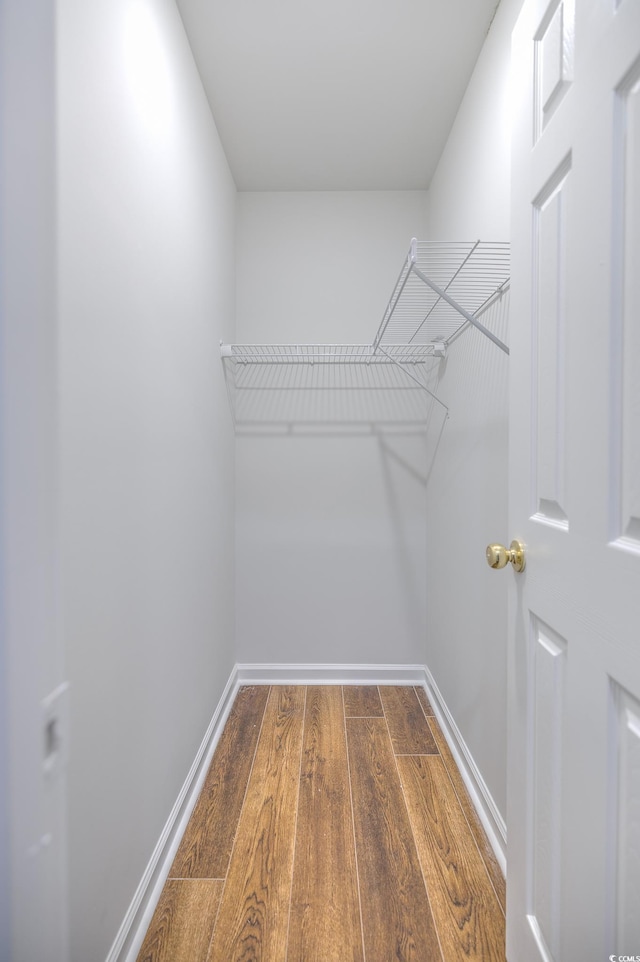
{"points": [[333, 827]]}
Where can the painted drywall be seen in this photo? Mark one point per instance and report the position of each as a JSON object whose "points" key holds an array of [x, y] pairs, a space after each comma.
{"points": [[466, 639], [32, 843], [146, 291], [330, 549]]}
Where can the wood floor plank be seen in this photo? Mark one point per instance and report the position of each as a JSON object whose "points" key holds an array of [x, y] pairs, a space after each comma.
{"points": [[362, 701], [206, 845], [424, 701], [475, 825], [409, 729], [325, 911], [183, 921], [465, 907], [396, 915], [253, 917]]}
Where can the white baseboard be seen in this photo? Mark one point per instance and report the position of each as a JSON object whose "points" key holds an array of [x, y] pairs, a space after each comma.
{"points": [[133, 929], [129, 939], [488, 812], [277, 674]]}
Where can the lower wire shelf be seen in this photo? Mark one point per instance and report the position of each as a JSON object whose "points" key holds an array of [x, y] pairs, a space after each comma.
{"points": [[331, 386]]}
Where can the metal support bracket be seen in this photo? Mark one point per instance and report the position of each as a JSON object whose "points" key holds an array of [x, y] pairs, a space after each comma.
{"points": [[457, 307], [406, 371]]}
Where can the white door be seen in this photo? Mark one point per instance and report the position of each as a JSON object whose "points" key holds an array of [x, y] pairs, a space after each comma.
{"points": [[573, 809]]}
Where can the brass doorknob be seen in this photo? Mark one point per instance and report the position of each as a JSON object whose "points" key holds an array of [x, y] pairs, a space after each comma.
{"points": [[498, 556]]}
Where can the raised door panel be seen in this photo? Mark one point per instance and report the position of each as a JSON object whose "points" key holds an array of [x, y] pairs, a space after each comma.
{"points": [[546, 699], [548, 314], [624, 872], [553, 61], [626, 298]]}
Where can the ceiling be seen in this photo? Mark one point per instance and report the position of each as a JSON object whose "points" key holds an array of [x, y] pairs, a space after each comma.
{"points": [[335, 94]]}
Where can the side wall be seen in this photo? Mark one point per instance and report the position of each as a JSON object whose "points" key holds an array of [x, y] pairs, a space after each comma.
{"points": [[467, 494], [330, 544], [32, 837], [146, 290]]}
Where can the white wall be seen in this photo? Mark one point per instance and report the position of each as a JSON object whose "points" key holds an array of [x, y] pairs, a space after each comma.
{"points": [[469, 198], [32, 853], [146, 288], [330, 552]]}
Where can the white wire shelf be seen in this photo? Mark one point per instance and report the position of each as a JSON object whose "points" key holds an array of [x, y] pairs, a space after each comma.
{"points": [[441, 289], [331, 394]]}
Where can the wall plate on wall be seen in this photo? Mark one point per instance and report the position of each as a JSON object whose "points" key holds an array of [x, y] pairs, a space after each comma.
{"points": [[55, 730]]}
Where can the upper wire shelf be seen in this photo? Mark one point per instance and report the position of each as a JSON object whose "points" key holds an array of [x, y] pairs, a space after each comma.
{"points": [[442, 288]]}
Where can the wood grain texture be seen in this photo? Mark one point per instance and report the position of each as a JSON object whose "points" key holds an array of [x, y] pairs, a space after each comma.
{"points": [[254, 912], [325, 910], [396, 915], [205, 848], [409, 729], [473, 821], [362, 701], [292, 891], [464, 905], [424, 701], [183, 921]]}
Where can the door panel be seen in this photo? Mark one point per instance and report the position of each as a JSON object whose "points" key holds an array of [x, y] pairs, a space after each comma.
{"points": [[553, 60], [549, 238], [545, 763], [574, 651], [627, 303], [624, 917]]}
